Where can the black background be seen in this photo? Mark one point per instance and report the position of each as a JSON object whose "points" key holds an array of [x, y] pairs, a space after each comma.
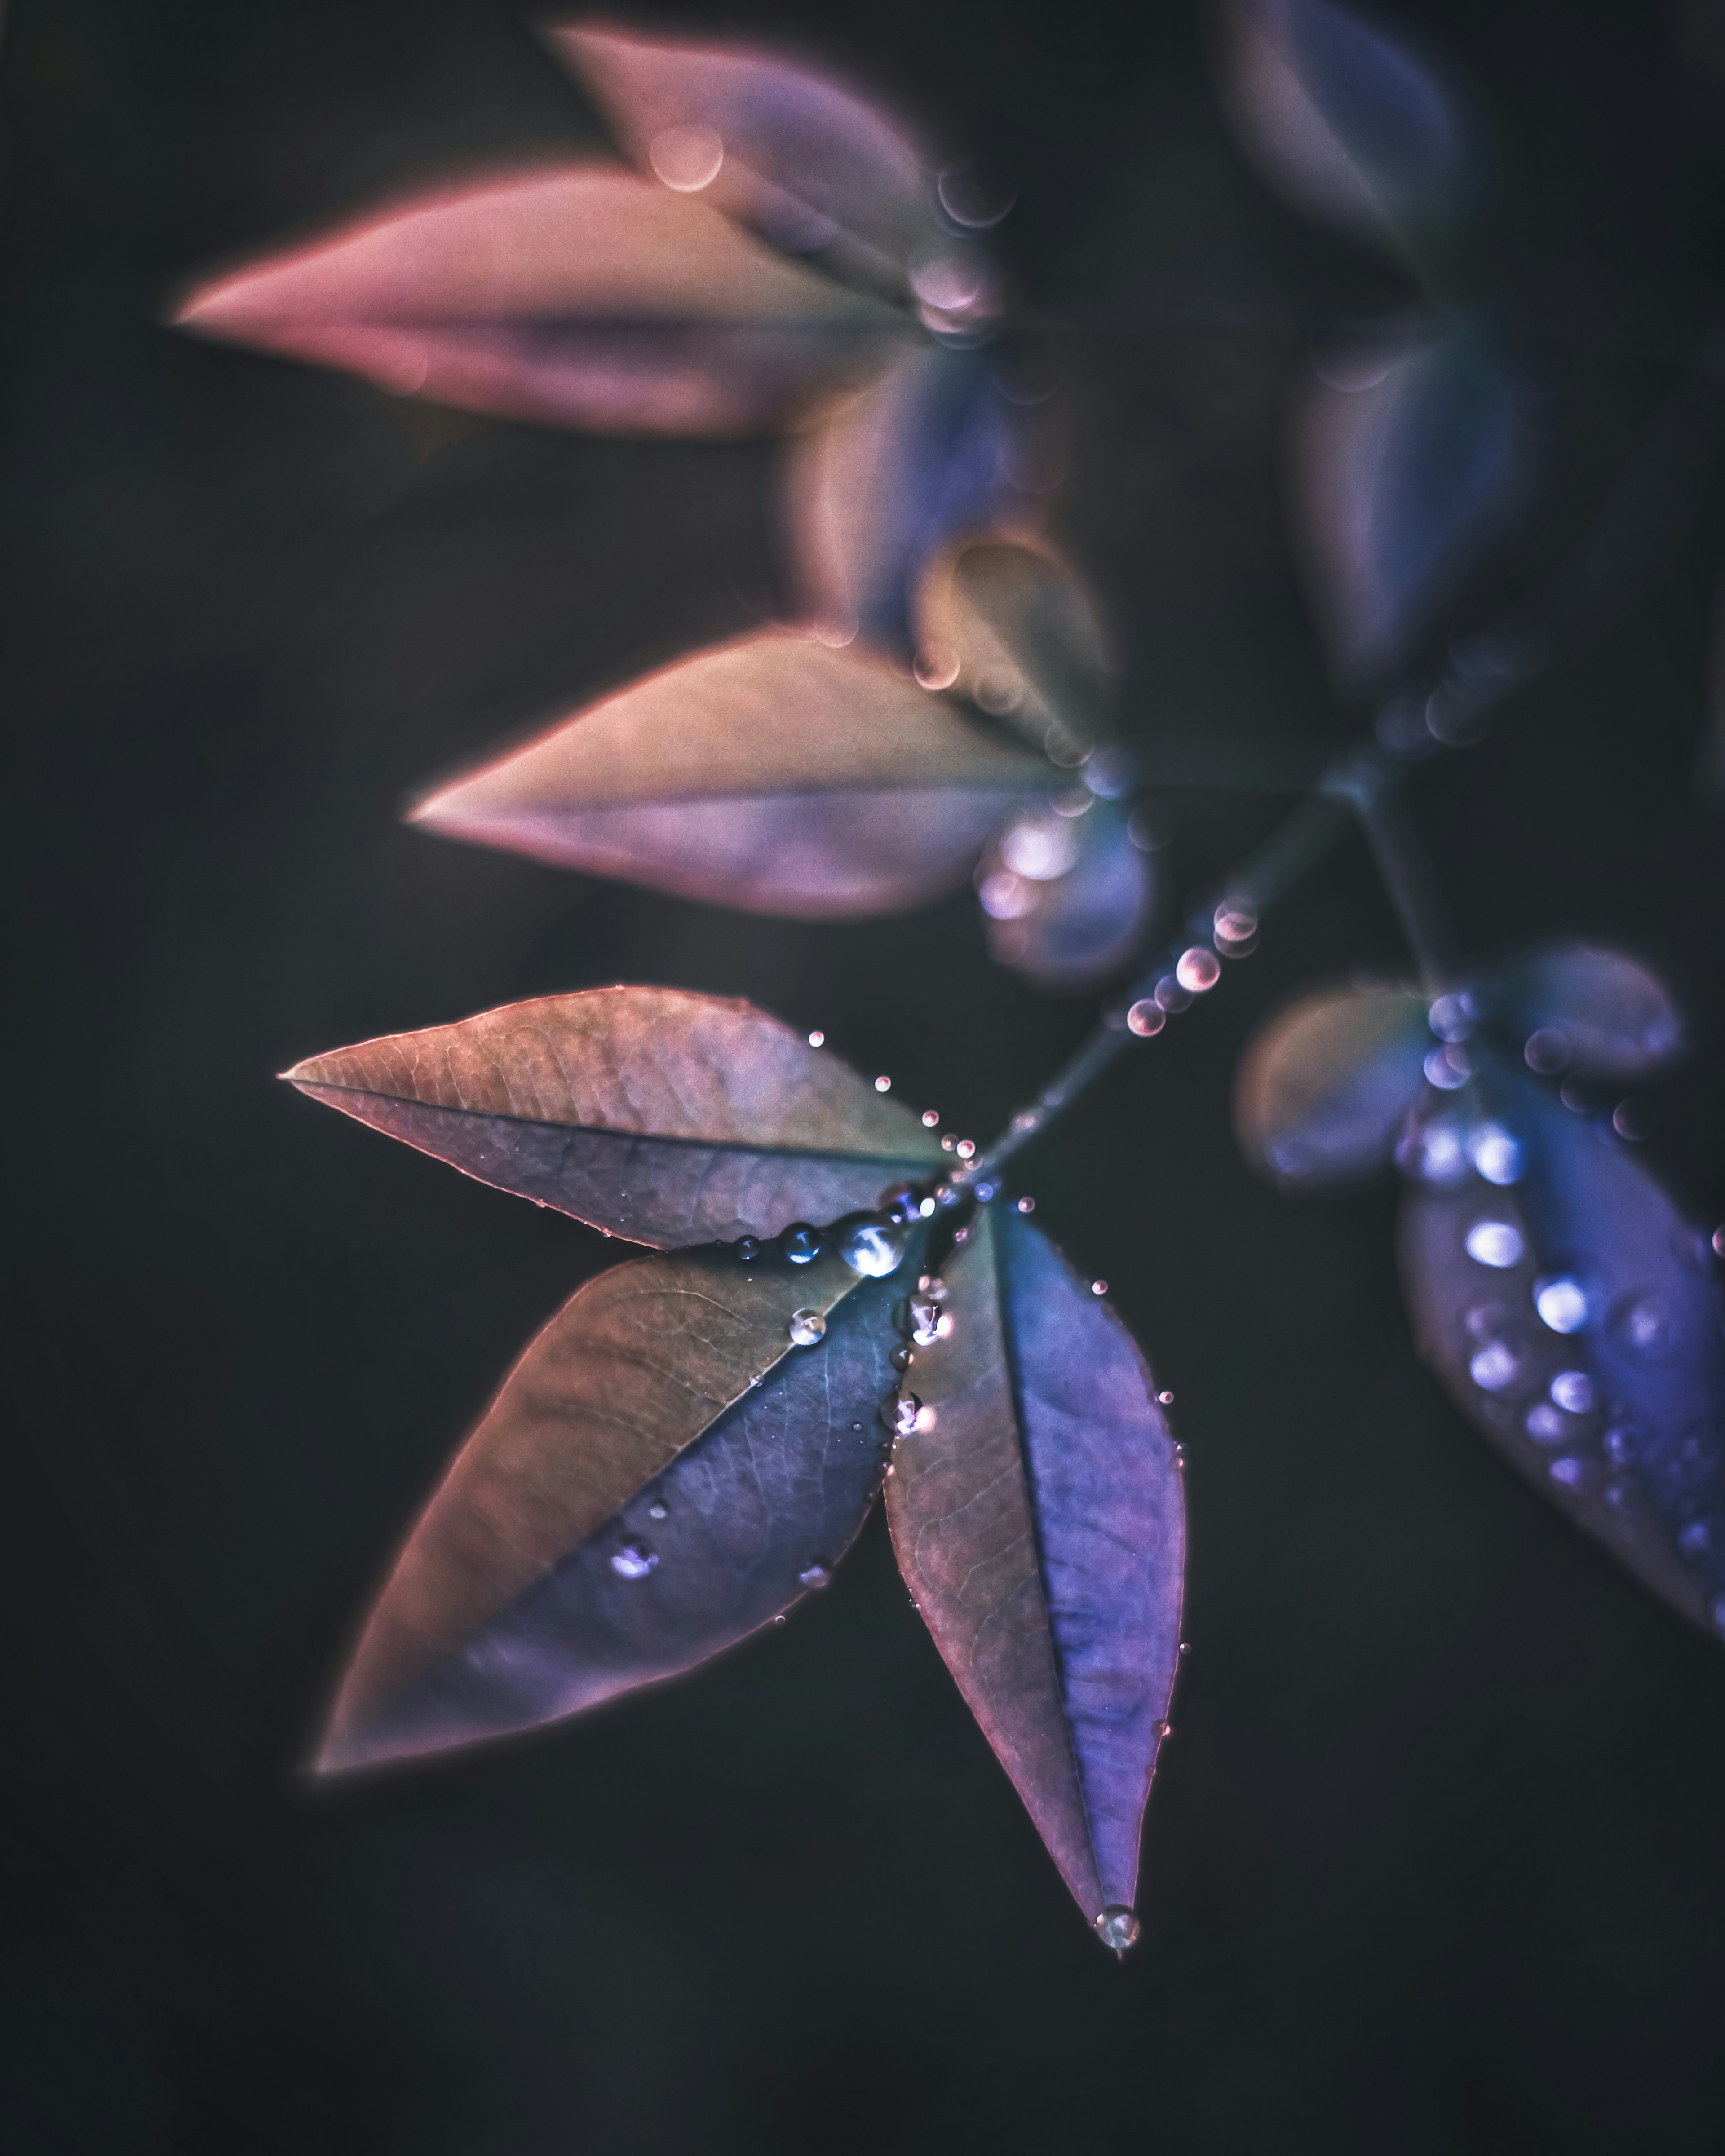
{"points": [[1436, 1859]]}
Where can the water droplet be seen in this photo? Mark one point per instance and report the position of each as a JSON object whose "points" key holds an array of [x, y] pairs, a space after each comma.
{"points": [[1697, 1457], [1236, 924], [1621, 1499], [1170, 995], [817, 1039], [1027, 1119], [1496, 1154], [965, 1149], [1179, 1455], [1571, 1473], [856, 1430], [1646, 1325], [986, 1193], [900, 1203], [1439, 1155], [1185, 1646], [779, 1619], [1698, 1538], [1167, 1399], [1118, 1927], [900, 1413], [960, 1235], [633, 1561], [1486, 1321], [902, 1359], [930, 1117], [1544, 1425], [1099, 1287], [1198, 969], [1452, 1017], [657, 1511], [808, 1326], [800, 1242], [687, 159], [1041, 848], [1494, 1243], [883, 1083], [1575, 1098], [1623, 1446], [925, 1320], [933, 1286], [1545, 1051], [814, 1575], [1495, 1367], [936, 669], [873, 1249], [948, 1143], [1145, 1017], [1027, 1205], [747, 1247], [926, 1208], [1633, 1119], [1562, 1304], [1574, 1391], [1447, 1068]]}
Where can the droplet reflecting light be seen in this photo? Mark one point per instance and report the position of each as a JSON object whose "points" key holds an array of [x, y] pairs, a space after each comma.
{"points": [[1118, 1927], [814, 1575], [634, 1560], [873, 1249], [1496, 1154], [1562, 1305], [1574, 1391], [1494, 1243], [808, 1326], [1495, 1367], [686, 159], [1198, 969], [1145, 1017], [800, 1242]]}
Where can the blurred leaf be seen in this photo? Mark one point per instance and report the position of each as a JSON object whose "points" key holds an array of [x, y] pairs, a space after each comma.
{"points": [[810, 165], [661, 1474], [1038, 1516], [1346, 121], [1069, 897], [775, 774], [1600, 1014], [1022, 632], [1576, 1317], [668, 1117], [1323, 1090], [575, 294], [926, 454], [1407, 467]]}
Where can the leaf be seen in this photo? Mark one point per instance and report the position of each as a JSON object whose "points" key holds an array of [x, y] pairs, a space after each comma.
{"points": [[790, 151], [1404, 477], [1346, 122], [1017, 633], [575, 294], [924, 453], [1576, 1317], [1038, 1517], [668, 1117], [1323, 1092], [662, 1473], [1069, 896], [1600, 1014], [773, 774]]}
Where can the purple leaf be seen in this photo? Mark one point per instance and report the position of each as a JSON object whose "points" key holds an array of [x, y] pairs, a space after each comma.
{"points": [[1069, 895], [1408, 466], [664, 1471], [1599, 1013], [812, 166], [1346, 122], [672, 1118], [775, 774], [1038, 1516], [1323, 1090], [1576, 1317], [576, 294]]}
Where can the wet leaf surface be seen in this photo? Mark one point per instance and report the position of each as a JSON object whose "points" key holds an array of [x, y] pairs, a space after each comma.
{"points": [[1347, 120], [1576, 1317], [1037, 1514], [1323, 1090], [1408, 466], [662, 1473], [774, 774], [575, 294], [1599, 1013], [672, 1118]]}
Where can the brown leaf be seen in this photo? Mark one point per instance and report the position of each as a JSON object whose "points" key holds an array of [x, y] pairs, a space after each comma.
{"points": [[662, 1472], [577, 293], [1037, 1514], [772, 773], [672, 1118]]}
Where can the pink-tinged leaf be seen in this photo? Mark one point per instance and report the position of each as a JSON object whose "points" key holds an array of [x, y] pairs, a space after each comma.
{"points": [[810, 165], [1408, 466], [1576, 1318], [577, 293], [1069, 896], [927, 454], [775, 774], [1007, 625], [663, 1472], [1038, 1516], [1598, 1013], [1323, 1090], [672, 1118]]}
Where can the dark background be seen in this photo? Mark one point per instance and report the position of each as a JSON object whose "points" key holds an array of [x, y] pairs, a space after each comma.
{"points": [[1436, 1859]]}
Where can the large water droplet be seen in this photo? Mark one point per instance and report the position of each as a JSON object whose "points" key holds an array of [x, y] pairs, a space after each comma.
{"points": [[873, 1248], [807, 1327], [900, 1413], [814, 1575], [633, 1561], [800, 1242], [1574, 1391], [1495, 1367], [747, 1247], [1494, 1243], [1496, 1153], [1562, 1304], [1118, 1927], [1145, 1017], [1198, 970], [926, 1320]]}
